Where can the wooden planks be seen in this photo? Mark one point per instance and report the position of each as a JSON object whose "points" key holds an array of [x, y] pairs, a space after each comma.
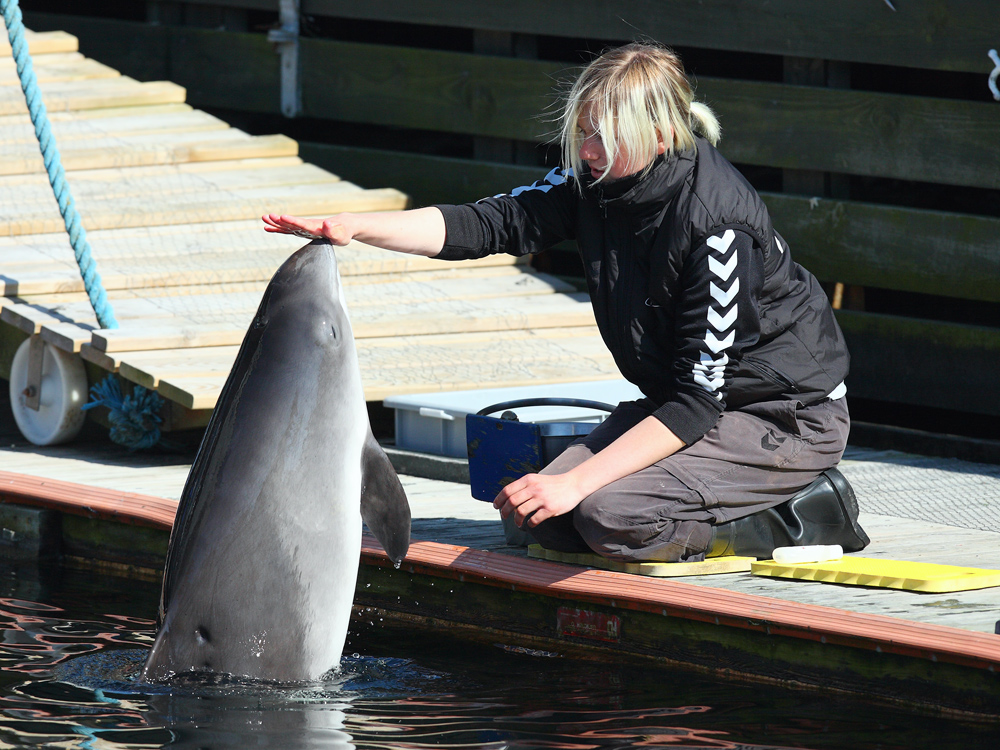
{"points": [[42, 43], [183, 255], [221, 69], [208, 205], [149, 149], [180, 248], [172, 197], [17, 130], [65, 96], [921, 33], [386, 307], [923, 362], [408, 304], [57, 67], [194, 376], [946, 141], [772, 124], [430, 89], [932, 252], [456, 361]]}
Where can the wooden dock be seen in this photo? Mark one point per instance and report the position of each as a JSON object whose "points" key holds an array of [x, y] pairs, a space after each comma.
{"points": [[171, 198], [936, 651]]}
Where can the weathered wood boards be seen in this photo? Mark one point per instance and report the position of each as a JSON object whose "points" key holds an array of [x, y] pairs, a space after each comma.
{"points": [[406, 305], [70, 66], [172, 199], [186, 255], [65, 96], [116, 121], [148, 149], [208, 205], [457, 361], [932, 35], [772, 124], [42, 43], [950, 36], [193, 377]]}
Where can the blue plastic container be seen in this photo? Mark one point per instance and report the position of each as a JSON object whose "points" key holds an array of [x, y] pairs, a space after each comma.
{"points": [[504, 449]]}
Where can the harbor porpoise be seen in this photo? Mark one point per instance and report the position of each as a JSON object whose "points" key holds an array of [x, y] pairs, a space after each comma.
{"points": [[263, 557]]}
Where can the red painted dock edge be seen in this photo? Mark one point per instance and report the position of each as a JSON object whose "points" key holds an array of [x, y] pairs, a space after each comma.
{"points": [[85, 500], [876, 633]]}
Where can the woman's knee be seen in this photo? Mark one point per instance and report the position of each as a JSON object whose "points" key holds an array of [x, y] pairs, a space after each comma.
{"points": [[600, 521], [634, 527]]}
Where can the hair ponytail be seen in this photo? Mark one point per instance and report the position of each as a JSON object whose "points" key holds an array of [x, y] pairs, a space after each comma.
{"points": [[705, 123]]}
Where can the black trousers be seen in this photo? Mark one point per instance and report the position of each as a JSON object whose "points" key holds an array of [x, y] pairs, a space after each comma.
{"points": [[752, 459]]}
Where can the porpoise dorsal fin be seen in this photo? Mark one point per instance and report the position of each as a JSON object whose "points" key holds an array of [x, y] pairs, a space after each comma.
{"points": [[384, 507]]}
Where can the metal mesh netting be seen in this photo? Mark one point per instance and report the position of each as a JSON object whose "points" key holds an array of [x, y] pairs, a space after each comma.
{"points": [[938, 490]]}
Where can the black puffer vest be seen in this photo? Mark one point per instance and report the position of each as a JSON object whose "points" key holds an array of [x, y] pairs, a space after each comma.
{"points": [[634, 244]]}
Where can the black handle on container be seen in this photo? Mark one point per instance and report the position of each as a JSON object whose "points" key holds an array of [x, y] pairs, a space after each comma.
{"points": [[545, 402]]}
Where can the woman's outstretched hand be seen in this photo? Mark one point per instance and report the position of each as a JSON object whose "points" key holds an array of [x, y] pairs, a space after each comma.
{"points": [[332, 229], [420, 231]]}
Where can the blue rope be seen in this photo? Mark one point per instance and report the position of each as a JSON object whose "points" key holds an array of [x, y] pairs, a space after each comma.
{"points": [[53, 165], [135, 419]]}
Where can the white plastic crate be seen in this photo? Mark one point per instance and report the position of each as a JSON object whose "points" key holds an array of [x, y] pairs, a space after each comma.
{"points": [[435, 422]]}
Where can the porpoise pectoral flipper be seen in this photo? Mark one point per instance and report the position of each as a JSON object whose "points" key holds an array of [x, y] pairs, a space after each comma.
{"points": [[383, 502]]}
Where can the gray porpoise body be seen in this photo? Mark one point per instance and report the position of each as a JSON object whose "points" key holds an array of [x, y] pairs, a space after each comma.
{"points": [[264, 552]]}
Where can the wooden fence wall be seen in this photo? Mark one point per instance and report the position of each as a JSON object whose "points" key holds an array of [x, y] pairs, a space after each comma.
{"points": [[870, 131]]}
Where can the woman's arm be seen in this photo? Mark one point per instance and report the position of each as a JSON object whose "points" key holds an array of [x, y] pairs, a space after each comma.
{"points": [[548, 495], [418, 232]]}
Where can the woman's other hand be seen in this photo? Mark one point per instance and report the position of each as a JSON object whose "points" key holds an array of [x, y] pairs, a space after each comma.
{"points": [[538, 497]]}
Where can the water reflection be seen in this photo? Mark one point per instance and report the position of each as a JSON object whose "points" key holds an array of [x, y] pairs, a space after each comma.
{"points": [[67, 679], [239, 721]]}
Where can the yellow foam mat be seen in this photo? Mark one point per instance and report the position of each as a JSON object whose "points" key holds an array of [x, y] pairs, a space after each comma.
{"points": [[730, 564], [891, 574]]}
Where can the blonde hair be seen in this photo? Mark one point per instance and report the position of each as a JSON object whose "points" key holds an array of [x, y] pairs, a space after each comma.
{"points": [[633, 94]]}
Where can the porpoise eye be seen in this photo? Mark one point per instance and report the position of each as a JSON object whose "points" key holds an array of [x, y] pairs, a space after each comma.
{"points": [[333, 330], [202, 635]]}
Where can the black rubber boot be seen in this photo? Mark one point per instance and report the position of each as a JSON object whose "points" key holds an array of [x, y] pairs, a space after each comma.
{"points": [[825, 512]]}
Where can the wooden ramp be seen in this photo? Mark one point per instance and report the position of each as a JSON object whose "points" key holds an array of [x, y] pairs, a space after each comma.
{"points": [[171, 198]]}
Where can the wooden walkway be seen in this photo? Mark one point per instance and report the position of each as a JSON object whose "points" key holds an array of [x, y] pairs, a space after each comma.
{"points": [[929, 649], [171, 199]]}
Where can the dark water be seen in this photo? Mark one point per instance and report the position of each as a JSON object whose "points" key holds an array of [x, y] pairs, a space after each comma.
{"points": [[72, 643]]}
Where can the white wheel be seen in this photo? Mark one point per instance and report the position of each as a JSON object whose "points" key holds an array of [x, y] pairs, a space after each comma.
{"points": [[64, 390]]}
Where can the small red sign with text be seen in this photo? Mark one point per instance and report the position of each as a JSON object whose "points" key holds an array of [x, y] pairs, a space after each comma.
{"points": [[583, 623]]}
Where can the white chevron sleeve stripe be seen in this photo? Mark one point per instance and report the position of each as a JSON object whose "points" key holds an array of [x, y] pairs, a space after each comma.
{"points": [[556, 177], [721, 244], [724, 297], [710, 372], [707, 361], [721, 323], [712, 385], [723, 270], [716, 345]]}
